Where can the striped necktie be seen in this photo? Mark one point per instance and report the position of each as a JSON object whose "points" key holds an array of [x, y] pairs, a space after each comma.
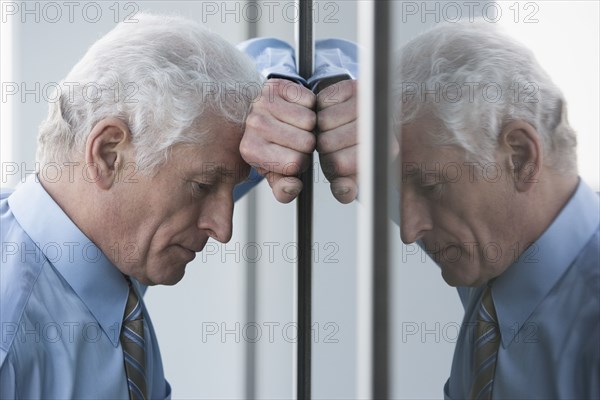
{"points": [[132, 341], [486, 348]]}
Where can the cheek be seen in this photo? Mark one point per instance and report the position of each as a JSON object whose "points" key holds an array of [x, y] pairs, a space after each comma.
{"points": [[176, 226], [470, 206], [153, 235]]}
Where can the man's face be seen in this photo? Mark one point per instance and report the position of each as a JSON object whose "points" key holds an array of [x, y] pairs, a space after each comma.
{"points": [[461, 212], [162, 221]]}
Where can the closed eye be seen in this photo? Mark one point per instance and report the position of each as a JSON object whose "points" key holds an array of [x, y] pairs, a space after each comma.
{"points": [[200, 188], [434, 189]]}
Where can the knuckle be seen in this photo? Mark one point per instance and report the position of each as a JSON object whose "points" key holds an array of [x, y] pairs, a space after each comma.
{"points": [[311, 121], [323, 143], [343, 166], [264, 97], [255, 121], [328, 92], [290, 91], [354, 86], [311, 99], [349, 83], [273, 83], [310, 141], [294, 166], [348, 88], [320, 101], [323, 121], [247, 149]]}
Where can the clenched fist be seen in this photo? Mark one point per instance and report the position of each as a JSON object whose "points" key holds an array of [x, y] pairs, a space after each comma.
{"points": [[279, 137], [337, 140]]}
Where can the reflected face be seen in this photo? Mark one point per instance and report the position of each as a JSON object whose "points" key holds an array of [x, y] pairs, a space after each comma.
{"points": [[459, 211], [162, 221]]}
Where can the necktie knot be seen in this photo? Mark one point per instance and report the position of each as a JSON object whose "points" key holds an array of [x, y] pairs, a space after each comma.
{"points": [[133, 307], [487, 311]]}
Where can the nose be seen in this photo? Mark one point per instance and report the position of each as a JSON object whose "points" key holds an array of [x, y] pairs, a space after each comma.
{"points": [[216, 217], [415, 218]]}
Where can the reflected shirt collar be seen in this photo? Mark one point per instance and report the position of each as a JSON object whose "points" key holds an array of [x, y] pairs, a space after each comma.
{"points": [[523, 286]]}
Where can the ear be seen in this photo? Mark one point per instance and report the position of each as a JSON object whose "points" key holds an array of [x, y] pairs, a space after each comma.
{"points": [[106, 150], [522, 145]]}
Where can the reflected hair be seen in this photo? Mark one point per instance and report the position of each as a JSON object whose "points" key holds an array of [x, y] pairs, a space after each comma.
{"points": [[472, 79], [170, 80]]}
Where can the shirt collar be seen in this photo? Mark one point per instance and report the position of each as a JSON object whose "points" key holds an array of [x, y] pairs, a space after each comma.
{"points": [[97, 282], [519, 290]]}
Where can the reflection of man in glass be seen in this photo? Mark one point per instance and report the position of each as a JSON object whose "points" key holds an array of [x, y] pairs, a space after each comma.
{"points": [[490, 189]]}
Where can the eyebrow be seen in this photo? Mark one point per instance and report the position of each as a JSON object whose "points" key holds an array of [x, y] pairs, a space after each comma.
{"points": [[219, 171], [410, 173], [417, 176]]}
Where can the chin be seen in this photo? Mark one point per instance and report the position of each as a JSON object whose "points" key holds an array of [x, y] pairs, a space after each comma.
{"points": [[451, 280], [168, 277], [455, 276]]}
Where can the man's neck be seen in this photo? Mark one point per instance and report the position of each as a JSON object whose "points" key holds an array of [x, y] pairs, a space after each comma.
{"points": [[70, 195], [551, 196]]}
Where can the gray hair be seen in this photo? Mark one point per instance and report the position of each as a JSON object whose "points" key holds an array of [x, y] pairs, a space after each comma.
{"points": [[473, 80], [167, 78]]}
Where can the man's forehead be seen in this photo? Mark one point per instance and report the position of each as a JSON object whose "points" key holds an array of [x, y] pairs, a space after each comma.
{"points": [[209, 158], [236, 171], [420, 152], [222, 169], [414, 141]]}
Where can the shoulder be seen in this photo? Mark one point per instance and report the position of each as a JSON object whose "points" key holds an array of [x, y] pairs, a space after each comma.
{"points": [[587, 265], [22, 262], [578, 291]]}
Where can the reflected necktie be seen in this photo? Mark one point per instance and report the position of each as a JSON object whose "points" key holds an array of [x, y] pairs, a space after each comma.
{"points": [[132, 341], [486, 348]]}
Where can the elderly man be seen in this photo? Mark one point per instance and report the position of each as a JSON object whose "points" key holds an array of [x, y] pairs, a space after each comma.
{"points": [[489, 188], [145, 177], [516, 230]]}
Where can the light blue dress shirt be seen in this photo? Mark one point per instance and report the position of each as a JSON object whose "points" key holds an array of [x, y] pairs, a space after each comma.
{"points": [[335, 60], [548, 307], [274, 58], [61, 307]]}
